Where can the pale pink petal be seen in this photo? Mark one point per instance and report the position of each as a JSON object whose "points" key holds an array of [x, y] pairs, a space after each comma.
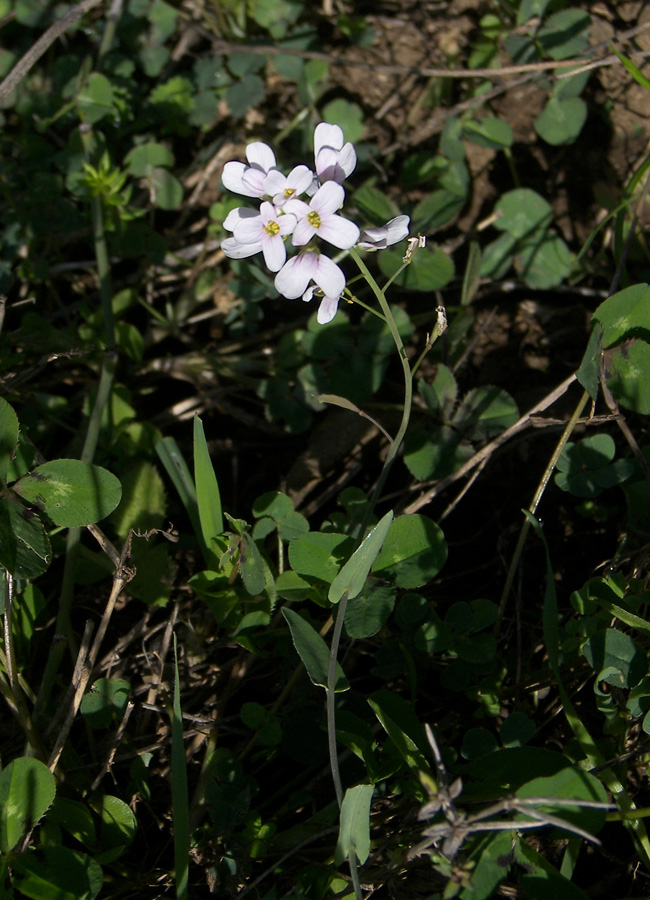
{"points": [[284, 188], [249, 231], [275, 182], [294, 276], [274, 252], [374, 238], [232, 177], [253, 182], [236, 250], [260, 155], [287, 223], [302, 233], [398, 229], [326, 163], [300, 178], [329, 276], [327, 310], [328, 199], [267, 211], [340, 232], [297, 208], [236, 216], [380, 238], [327, 136], [347, 160]]}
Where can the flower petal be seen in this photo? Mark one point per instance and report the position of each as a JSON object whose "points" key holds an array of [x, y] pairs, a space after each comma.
{"points": [[298, 208], [253, 182], [302, 233], [260, 155], [236, 250], [328, 199], [347, 159], [274, 182], [326, 161], [328, 276], [275, 252], [294, 276], [249, 231], [327, 310], [231, 178], [340, 232], [287, 223], [327, 136], [236, 216], [380, 238], [300, 178]]}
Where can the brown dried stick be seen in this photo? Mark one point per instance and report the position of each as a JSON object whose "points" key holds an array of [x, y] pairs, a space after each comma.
{"points": [[490, 448], [43, 44], [80, 680]]}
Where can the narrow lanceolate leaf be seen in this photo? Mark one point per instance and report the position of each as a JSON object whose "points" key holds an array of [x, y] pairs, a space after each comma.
{"points": [[176, 467], [354, 830], [354, 573], [71, 492], [27, 789], [207, 488], [313, 651]]}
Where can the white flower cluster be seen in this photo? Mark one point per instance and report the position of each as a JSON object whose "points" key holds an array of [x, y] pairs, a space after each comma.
{"points": [[282, 213]]}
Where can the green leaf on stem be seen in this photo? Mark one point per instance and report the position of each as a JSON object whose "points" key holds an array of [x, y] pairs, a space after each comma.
{"points": [[352, 577], [313, 651], [354, 828], [207, 490]]}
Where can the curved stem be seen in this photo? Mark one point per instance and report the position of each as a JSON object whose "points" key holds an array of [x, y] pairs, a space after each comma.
{"points": [[541, 487], [408, 386], [340, 613]]}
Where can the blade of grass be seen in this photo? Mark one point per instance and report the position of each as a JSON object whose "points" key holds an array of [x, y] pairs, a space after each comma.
{"points": [[176, 467], [207, 491], [180, 800]]}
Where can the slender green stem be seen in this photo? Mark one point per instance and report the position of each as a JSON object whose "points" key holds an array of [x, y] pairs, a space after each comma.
{"points": [[408, 386], [340, 613], [19, 705], [541, 487], [511, 166], [331, 699], [110, 28], [102, 400], [405, 262]]}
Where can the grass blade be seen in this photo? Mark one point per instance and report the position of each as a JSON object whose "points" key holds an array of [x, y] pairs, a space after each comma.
{"points": [[207, 490], [180, 802]]}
